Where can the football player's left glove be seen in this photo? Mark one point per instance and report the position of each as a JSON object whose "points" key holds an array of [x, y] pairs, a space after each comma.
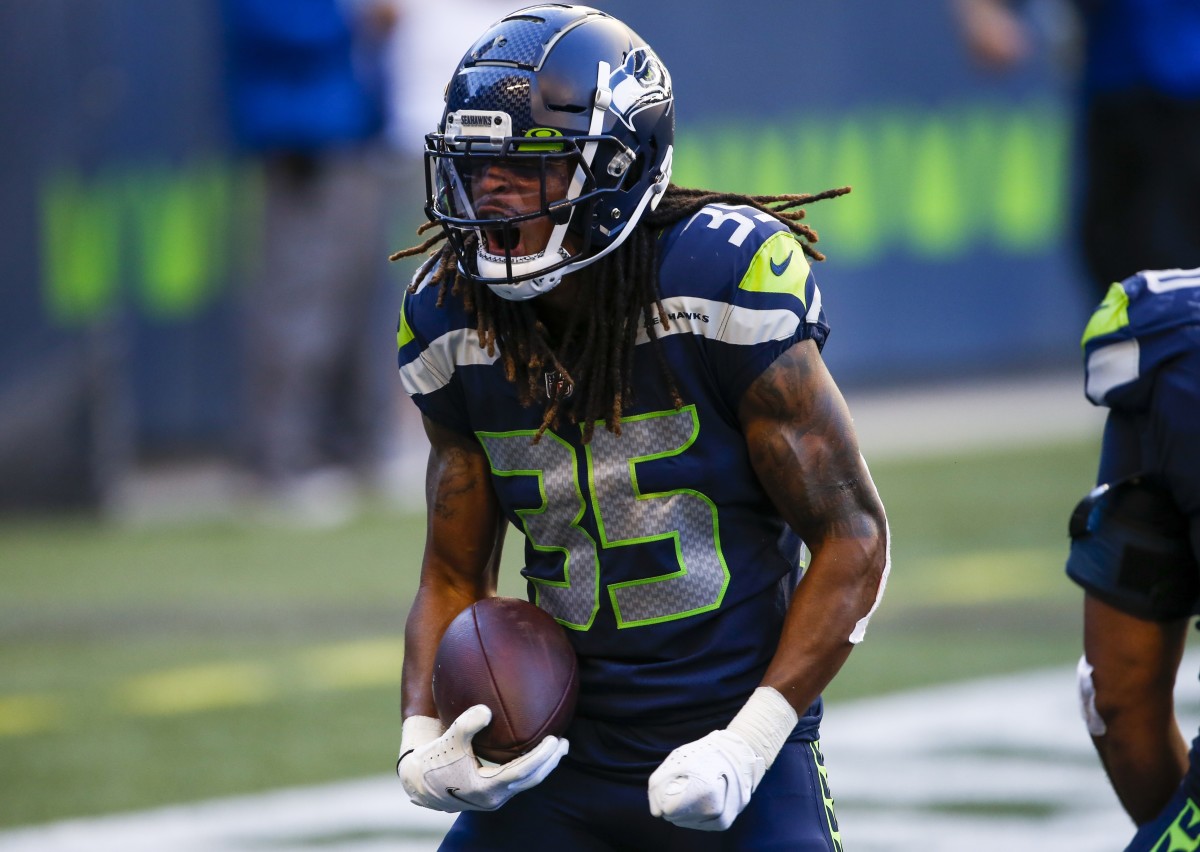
{"points": [[705, 784]]}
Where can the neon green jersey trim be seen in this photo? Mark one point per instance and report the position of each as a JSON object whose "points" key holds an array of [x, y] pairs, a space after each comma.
{"points": [[1180, 835], [779, 266], [827, 797], [404, 333], [1112, 315]]}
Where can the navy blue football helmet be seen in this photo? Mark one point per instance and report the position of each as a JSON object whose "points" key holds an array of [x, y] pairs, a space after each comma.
{"points": [[552, 88]]}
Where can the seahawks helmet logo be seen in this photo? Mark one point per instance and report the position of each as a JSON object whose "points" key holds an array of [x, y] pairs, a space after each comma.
{"points": [[641, 82]]}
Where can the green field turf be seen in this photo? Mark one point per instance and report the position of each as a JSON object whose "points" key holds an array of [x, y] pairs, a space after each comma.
{"points": [[169, 663]]}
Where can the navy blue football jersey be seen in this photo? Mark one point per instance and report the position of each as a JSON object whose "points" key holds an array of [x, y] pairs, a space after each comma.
{"points": [[657, 549], [1144, 321]]}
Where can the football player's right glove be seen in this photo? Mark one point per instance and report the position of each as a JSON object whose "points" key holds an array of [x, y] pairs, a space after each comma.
{"points": [[439, 770], [705, 784]]}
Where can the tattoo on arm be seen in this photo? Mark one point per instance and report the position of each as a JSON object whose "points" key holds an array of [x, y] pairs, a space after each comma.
{"points": [[455, 477], [465, 526]]}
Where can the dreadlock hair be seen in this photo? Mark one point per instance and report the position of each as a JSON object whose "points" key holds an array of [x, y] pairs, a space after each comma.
{"points": [[594, 358]]}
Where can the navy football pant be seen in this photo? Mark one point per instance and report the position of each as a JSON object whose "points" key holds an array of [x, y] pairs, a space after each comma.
{"points": [[791, 810]]}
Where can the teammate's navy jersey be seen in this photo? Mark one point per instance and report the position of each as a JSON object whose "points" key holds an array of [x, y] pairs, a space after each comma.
{"points": [[657, 549], [1143, 322]]}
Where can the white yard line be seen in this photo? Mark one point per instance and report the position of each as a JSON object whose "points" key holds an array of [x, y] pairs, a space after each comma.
{"points": [[368, 814], [993, 765]]}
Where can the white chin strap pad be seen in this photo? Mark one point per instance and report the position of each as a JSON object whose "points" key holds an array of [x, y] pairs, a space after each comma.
{"points": [[520, 291], [496, 276], [1087, 699]]}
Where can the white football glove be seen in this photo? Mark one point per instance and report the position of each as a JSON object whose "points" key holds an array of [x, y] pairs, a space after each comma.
{"points": [[439, 770], [705, 784]]}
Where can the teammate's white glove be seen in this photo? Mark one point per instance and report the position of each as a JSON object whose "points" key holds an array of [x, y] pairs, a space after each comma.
{"points": [[705, 784], [439, 770]]}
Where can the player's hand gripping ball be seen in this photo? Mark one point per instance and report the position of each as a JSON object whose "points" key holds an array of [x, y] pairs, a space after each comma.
{"points": [[515, 658]]}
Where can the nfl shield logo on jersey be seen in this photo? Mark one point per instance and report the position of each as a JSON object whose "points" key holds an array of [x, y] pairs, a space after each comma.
{"points": [[557, 386]]}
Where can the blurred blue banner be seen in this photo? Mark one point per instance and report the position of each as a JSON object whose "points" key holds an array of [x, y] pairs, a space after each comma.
{"points": [[128, 224]]}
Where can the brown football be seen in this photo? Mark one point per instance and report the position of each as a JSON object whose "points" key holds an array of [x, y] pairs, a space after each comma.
{"points": [[515, 658]]}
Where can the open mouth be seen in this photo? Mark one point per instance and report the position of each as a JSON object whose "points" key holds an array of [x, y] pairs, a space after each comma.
{"points": [[503, 240]]}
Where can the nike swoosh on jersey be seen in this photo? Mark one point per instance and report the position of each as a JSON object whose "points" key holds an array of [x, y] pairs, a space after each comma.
{"points": [[779, 268]]}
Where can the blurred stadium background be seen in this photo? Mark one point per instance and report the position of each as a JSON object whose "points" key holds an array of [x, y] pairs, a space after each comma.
{"points": [[162, 646]]}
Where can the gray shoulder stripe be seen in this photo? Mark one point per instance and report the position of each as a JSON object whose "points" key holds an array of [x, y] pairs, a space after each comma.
{"points": [[435, 366], [724, 322], [814, 310], [1110, 367]]}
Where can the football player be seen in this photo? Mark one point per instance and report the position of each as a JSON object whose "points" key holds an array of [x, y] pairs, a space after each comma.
{"points": [[1134, 549], [630, 374]]}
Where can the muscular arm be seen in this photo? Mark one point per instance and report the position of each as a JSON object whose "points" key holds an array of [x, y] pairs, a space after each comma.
{"points": [[464, 534], [804, 450], [1135, 662]]}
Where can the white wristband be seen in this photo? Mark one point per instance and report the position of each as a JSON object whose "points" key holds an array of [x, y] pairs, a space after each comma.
{"points": [[417, 731], [765, 722]]}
